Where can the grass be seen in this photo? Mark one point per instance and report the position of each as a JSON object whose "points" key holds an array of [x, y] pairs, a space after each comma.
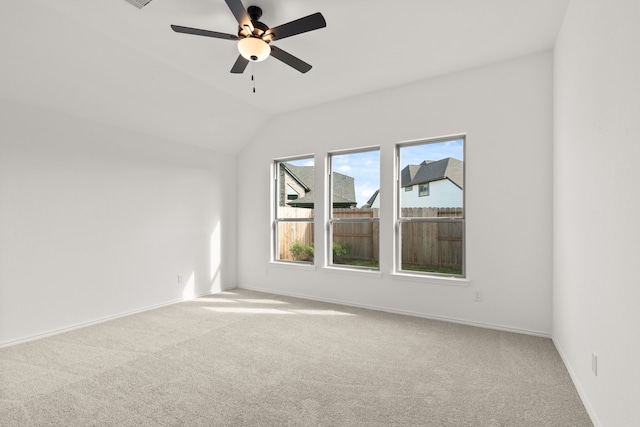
{"points": [[356, 262], [362, 263], [368, 263], [457, 271], [433, 269]]}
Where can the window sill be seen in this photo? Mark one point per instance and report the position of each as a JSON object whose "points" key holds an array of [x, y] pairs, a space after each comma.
{"points": [[293, 266], [435, 280], [358, 272]]}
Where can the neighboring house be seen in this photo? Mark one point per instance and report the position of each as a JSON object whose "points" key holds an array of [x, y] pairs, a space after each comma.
{"points": [[433, 184], [297, 187], [374, 201]]}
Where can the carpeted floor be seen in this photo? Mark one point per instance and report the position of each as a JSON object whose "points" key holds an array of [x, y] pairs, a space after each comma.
{"points": [[244, 358]]}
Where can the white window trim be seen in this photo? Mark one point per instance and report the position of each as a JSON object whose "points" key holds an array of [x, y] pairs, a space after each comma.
{"points": [[274, 242], [432, 279], [397, 272], [329, 265], [293, 265], [353, 270]]}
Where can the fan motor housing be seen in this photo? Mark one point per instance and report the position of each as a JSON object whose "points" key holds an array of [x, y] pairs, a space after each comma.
{"points": [[254, 12], [259, 28]]}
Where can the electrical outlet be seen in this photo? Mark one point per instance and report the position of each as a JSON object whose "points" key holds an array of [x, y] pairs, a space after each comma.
{"points": [[477, 296], [179, 278], [594, 364]]}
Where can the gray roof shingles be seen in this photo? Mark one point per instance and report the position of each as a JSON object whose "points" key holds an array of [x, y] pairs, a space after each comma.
{"points": [[343, 186], [429, 171]]}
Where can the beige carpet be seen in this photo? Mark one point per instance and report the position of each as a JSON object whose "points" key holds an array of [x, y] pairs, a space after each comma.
{"points": [[247, 358]]}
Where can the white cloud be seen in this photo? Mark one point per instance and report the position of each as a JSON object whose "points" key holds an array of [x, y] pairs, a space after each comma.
{"points": [[366, 193]]}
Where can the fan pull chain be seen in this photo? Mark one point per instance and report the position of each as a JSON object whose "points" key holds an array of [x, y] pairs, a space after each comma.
{"points": [[253, 73]]}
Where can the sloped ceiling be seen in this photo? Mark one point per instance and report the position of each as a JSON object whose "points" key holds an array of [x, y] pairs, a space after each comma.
{"points": [[108, 61]]}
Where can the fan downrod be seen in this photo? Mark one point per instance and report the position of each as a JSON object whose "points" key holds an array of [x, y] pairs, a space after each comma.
{"points": [[254, 13]]}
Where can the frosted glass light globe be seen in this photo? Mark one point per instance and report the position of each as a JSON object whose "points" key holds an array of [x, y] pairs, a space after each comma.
{"points": [[254, 49]]}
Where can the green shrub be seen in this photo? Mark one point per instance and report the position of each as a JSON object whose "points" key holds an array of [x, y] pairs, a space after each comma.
{"points": [[339, 251], [301, 252]]}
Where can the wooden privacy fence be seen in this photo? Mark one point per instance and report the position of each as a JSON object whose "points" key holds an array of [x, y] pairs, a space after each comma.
{"points": [[423, 243], [292, 232], [432, 243], [362, 238]]}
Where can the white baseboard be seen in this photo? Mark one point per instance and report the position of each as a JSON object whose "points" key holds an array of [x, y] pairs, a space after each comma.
{"points": [[406, 313], [583, 395], [97, 321]]}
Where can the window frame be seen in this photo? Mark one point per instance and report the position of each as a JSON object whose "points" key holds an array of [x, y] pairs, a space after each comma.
{"points": [[329, 211], [399, 220], [425, 192], [276, 221]]}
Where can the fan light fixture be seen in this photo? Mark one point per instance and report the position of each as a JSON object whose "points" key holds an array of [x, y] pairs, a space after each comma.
{"points": [[254, 49], [253, 37]]}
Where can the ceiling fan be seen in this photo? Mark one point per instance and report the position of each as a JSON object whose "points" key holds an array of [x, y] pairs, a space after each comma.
{"points": [[254, 37]]}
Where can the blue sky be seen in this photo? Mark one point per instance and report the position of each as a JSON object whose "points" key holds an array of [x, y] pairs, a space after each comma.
{"points": [[416, 154], [364, 167]]}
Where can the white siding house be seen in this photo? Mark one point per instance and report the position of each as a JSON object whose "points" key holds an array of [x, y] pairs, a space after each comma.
{"points": [[435, 194], [431, 184]]}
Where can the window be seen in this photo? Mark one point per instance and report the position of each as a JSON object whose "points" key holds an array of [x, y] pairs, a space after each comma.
{"points": [[354, 205], [294, 218], [408, 188], [430, 232]]}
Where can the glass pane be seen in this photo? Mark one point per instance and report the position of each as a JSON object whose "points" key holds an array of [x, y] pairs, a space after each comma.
{"points": [[355, 191], [295, 189], [434, 247], [295, 241], [432, 179], [355, 181], [356, 243]]}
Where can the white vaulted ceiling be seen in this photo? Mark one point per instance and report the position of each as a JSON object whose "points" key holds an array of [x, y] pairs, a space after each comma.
{"points": [[108, 61]]}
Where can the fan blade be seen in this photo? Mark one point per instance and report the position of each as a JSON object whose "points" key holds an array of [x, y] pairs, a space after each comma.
{"points": [[240, 12], [206, 33], [240, 65], [299, 26], [289, 59]]}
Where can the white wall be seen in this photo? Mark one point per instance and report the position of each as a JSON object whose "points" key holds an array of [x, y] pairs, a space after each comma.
{"points": [[506, 111], [596, 203], [97, 221]]}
